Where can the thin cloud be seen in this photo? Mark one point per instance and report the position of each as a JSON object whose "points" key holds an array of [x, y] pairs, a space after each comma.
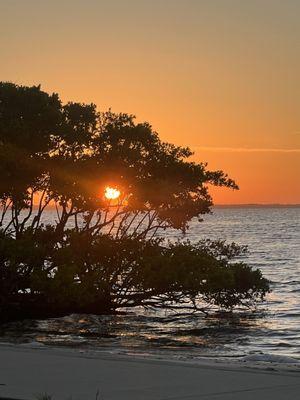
{"points": [[244, 149]]}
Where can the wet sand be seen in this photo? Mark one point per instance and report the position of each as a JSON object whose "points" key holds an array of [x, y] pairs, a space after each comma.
{"points": [[28, 372]]}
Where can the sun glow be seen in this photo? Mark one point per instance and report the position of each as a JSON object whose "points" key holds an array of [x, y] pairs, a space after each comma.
{"points": [[111, 193]]}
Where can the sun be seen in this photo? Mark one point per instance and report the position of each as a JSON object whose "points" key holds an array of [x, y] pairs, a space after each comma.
{"points": [[111, 193]]}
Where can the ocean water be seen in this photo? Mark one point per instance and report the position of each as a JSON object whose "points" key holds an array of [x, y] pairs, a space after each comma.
{"points": [[272, 235]]}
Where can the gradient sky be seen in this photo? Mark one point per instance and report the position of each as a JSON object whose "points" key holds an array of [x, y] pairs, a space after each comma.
{"points": [[221, 76]]}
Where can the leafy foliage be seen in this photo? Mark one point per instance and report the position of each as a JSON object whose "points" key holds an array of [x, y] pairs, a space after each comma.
{"points": [[102, 255], [66, 154], [85, 273]]}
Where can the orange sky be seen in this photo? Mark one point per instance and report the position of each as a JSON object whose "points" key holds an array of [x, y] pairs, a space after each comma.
{"points": [[220, 76]]}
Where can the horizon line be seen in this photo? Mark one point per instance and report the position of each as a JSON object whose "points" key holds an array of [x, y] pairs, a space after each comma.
{"points": [[257, 204], [238, 205]]}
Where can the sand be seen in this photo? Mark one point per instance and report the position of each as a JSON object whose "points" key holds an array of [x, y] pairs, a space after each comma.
{"points": [[27, 372]]}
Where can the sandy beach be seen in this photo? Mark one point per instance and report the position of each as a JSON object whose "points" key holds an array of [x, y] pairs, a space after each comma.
{"points": [[27, 372]]}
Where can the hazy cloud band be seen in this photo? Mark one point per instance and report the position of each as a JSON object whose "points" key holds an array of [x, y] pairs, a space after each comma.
{"points": [[244, 149]]}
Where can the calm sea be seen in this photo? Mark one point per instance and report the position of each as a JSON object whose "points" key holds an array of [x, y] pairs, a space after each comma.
{"points": [[273, 237]]}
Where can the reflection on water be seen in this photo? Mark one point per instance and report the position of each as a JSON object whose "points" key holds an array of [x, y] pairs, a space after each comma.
{"points": [[187, 335], [273, 237], [140, 331]]}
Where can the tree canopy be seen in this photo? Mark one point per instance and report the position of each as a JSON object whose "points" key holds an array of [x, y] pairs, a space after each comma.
{"points": [[63, 156], [68, 153]]}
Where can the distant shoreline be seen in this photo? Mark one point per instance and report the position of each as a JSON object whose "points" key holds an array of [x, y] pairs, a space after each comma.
{"points": [[246, 205], [254, 205]]}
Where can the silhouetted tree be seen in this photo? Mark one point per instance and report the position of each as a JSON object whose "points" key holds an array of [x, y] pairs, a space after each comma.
{"points": [[101, 255]]}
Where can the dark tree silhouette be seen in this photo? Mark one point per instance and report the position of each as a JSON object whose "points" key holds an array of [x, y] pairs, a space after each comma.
{"points": [[100, 254]]}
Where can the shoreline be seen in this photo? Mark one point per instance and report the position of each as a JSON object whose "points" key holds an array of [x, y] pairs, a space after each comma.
{"points": [[255, 361], [26, 371]]}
